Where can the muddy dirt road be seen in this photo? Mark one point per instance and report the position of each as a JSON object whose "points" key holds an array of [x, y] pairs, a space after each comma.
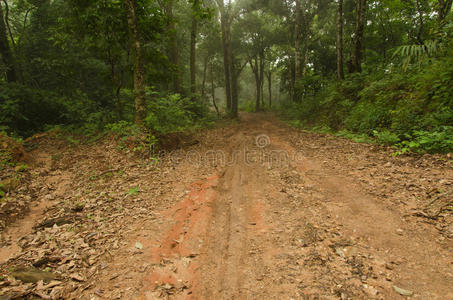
{"points": [[258, 210]]}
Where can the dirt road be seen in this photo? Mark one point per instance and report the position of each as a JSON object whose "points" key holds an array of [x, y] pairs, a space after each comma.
{"points": [[258, 210]]}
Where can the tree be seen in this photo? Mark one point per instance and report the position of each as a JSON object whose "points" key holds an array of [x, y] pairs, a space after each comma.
{"points": [[193, 41], [168, 7], [139, 72], [356, 65], [225, 23], [5, 50], [340, 70], [297, 38]]}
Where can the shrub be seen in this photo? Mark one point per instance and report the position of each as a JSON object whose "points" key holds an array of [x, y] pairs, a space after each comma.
{"points": [[438, 141], [172, 113], [386, 137], [412, 109]]}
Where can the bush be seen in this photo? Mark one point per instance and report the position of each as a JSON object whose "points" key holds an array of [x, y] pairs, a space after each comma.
{"points": [[170, 114], [25, 111], [386, 137], [11, 150], [248, 106], [412, 109], [438, 141]]}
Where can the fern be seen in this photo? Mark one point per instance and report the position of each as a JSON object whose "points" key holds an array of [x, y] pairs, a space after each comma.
{"points": [[417, 53]]}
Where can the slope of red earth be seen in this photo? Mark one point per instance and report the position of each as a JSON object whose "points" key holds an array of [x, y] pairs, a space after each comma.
{"points": [[254, 210]]}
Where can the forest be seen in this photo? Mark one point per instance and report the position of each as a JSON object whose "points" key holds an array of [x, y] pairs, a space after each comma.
{"points": [[376, 71], [226, 149]]}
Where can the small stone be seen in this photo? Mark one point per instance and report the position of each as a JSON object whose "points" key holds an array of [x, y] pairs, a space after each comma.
{"points": [[138, 245], [402, 292], [77, 277], [339, 252]]}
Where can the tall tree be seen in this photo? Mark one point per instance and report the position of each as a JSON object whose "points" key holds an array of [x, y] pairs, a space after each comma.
{"points": [[193, 42], [213, 90], [297, 38], [358, 36], [168, 7], [254, 64], [5, 50], [340, 70], [139, 71], [225, 24]]}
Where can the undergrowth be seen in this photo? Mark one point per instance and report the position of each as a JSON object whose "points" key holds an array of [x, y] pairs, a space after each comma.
{"points": [[412, 111]]}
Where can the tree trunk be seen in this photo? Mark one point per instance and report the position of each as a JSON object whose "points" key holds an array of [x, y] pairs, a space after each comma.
{"points": [[226, 58], [269, 86], [261, 68], [5, 51], [340, 70], [234, 96], [233, 73], [258, 93], [297, 37], [303, 67], [255, 69], [173, 47], [203, 84], [139, 72], [234, 85], [358, 36], [213, 91], [193, 41], [7, 25], [291, 79], [117, 80]]}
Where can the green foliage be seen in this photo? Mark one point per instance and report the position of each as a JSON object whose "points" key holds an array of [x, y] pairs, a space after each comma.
{"points": [[248, 106], [417, 53], [133, 191], [438, 141], [132, 135], [356, 137], [21, 167], [174, 113], [412, 110], [124, 129], [386, 137]]}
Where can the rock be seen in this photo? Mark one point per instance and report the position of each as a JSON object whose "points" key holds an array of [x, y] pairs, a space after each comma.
{"points": [[58, 221], [42, 295], [340, 252], [45, 260], [402, 292], [52, 284], [138, 245], [33, 275], [77, 277]]}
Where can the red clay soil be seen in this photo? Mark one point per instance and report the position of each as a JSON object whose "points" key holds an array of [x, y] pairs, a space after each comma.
{"points": [[259, 210]]}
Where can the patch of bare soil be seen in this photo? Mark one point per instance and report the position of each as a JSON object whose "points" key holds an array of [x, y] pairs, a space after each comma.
{"points": [[253, 210]]}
